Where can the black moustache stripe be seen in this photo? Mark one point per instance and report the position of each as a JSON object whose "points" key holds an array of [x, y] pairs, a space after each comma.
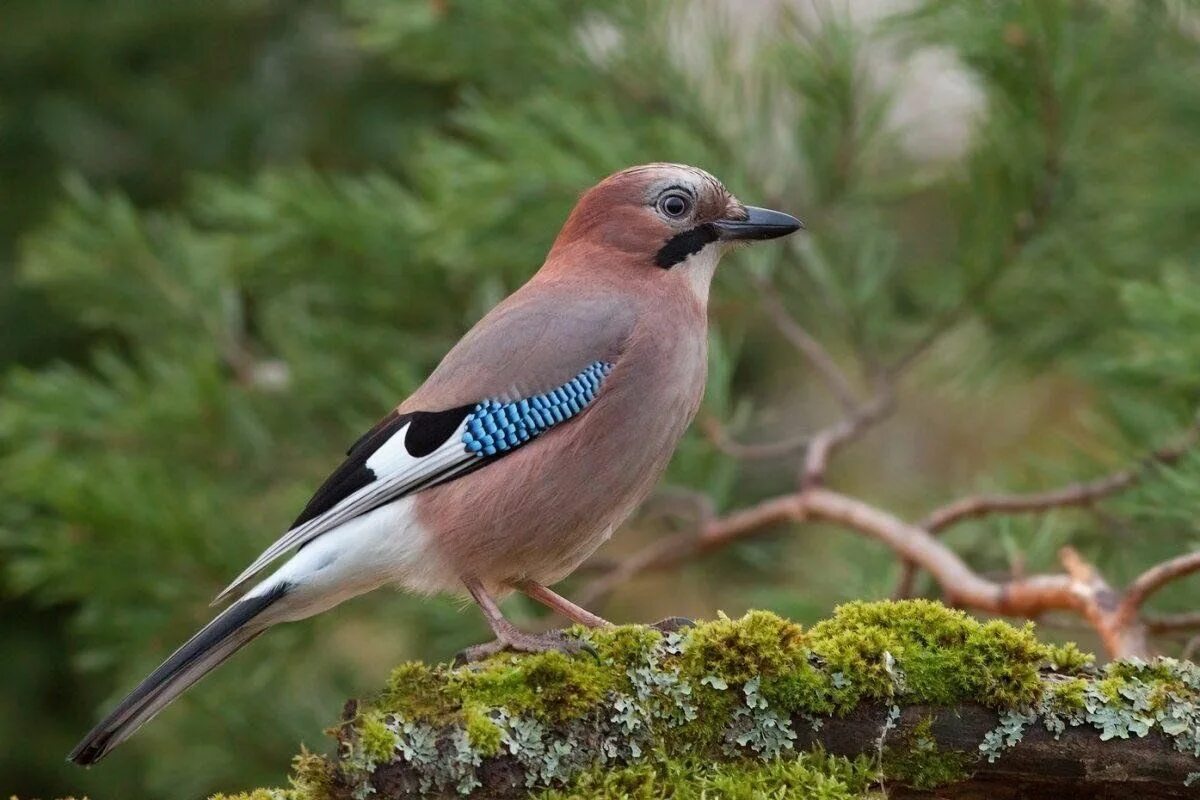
{"points": [[685, 244]]}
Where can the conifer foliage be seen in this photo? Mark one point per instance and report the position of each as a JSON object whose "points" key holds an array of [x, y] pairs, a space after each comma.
{"points": [[299, 206]]}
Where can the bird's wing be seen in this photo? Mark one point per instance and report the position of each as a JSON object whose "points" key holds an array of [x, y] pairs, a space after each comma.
{"points": [[522, 370]]}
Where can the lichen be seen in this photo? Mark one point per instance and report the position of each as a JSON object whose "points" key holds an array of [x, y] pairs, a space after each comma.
{"points": [[735, 696], [1128, 698]]}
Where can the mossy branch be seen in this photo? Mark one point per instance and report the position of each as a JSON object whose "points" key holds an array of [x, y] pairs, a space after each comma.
{"points": [[897, 697]]}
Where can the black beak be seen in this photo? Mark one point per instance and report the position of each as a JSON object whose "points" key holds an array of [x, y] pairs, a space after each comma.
{"points": [[760, 223]]}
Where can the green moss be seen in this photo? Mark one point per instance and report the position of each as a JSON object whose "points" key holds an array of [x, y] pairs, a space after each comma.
{"points": [[705, 733], [312, 776], [482, 732], [1069, 659], [1155, 683], [919, 762], [377, 740], [940, 656], [547, 686], [621, 644], [551, 687], [1067, 697], [416, 691], [760, 644], [810, 776]]}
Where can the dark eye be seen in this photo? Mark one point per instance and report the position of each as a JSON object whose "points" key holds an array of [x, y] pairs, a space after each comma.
{"points": [[674, 205]]}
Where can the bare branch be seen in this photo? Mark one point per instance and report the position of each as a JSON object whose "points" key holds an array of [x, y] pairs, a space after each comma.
{"points": [[827, 442], [719, 436], [1073, 495], [1171, 623], [816, 354], [1156, 578], [1189, 649]]}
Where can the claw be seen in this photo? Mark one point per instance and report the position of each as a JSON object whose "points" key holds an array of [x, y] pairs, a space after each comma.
{"points": [[526, 643]]}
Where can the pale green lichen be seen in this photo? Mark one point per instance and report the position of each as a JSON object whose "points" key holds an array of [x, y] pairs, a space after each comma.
{"points": [[737, 692], [1127, 698]]}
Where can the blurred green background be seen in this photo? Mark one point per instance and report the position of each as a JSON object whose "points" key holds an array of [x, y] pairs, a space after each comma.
{"points": [[233, 233]]}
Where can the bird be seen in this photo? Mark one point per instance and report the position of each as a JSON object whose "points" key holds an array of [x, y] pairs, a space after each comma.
{"points": [[537, 434]]}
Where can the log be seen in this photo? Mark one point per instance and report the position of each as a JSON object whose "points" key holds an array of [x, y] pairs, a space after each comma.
{"points": [[911, 697]]}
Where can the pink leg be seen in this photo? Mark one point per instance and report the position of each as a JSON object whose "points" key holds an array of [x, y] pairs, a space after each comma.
{"points": [[509, 636], [561, 605]]}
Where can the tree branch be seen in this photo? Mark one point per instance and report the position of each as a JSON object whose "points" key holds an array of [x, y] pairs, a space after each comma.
{"points": [[720, 438], [825, 443], [1079, 588], [815, 353], [1075, 495], [1155, 578], [1072, 495], [1171, 623]]}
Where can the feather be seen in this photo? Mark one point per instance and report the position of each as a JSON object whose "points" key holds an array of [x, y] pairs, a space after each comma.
{"points": [[409, 452], [232, 630]]}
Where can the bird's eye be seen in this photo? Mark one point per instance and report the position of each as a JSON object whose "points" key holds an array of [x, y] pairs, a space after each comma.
{"points": [[674, 205]]}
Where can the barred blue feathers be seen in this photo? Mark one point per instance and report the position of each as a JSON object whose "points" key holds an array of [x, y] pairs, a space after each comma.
{"points": [[496, 427]]}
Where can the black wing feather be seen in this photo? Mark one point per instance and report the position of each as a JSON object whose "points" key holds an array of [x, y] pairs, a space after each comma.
{"points": [[427, 431], [353, 473]]}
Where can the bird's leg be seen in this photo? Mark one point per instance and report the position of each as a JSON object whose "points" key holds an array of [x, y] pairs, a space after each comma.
{"points": [[556, 602], [509, 636]]}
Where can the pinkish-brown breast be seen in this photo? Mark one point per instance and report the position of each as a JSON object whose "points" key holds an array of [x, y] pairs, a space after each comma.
{"points": [[540, 511]]}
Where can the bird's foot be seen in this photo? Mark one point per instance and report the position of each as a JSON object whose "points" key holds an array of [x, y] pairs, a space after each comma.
{"points": [[521, 642]]}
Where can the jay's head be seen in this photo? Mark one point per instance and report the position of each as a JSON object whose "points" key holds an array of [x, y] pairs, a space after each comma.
{"points": [[660, 220]]}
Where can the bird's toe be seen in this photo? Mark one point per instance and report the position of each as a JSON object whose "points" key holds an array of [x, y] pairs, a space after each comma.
{"points": [[520, 642]]}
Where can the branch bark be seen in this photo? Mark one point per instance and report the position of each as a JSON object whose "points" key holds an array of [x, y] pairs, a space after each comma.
{"points": [[1075, 495], [1114, 615], [1077, 765]]}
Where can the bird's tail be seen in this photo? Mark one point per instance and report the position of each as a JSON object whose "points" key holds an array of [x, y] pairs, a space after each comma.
{"points": [[229, 632]]}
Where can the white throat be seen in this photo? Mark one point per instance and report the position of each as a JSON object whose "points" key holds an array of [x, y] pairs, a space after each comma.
{"points": [[698, 270]]}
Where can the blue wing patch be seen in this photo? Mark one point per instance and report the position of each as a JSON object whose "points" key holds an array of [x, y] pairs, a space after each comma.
{"points": [[495, 427]]}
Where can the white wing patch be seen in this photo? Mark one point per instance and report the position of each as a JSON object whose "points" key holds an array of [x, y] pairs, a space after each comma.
{"points": [[397, 473]]}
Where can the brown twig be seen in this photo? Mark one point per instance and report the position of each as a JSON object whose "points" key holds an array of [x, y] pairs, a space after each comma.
{"points": [[719, 436], [1075, 495], [1155, 578], [1172, 623], [812, 350], [825, 443]]}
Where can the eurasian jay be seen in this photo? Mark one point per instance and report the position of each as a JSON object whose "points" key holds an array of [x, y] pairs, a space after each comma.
{"points": [[535, 437]]}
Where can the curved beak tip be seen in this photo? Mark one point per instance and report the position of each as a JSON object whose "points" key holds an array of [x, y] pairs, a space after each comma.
{"points": [[759, 224]]}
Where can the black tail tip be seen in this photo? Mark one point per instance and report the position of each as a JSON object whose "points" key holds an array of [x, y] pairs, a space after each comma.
{"points": [[87, 752]]}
